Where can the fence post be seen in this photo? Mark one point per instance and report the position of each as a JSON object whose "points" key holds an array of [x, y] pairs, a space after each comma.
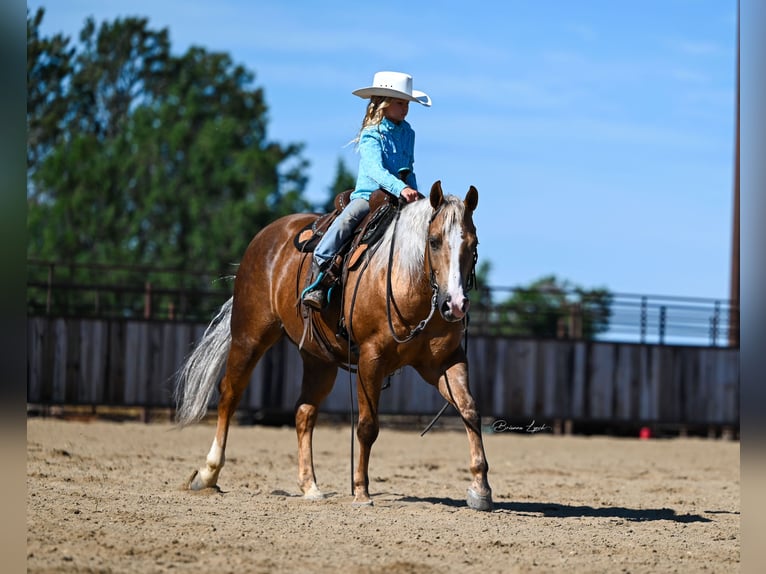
{"points": [[663, 315], [643, 319], [733, 323], [714, 324], [49, 294], [575, 321], [147, 300]]}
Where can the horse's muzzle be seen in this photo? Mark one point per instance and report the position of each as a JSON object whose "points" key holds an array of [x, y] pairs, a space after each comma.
{"points": [[454, 309]]}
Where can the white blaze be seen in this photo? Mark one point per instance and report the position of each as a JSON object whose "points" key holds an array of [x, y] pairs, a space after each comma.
{"points": [[454, 283]]}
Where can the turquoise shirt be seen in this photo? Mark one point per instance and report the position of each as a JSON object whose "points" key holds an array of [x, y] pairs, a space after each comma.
{"points": [[385, 150]]}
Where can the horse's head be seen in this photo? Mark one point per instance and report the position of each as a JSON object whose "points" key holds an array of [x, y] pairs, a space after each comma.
{"points": [[451, 250]]}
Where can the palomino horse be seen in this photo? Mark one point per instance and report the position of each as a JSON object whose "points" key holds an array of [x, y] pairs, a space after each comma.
{"points": [[421, 265]]}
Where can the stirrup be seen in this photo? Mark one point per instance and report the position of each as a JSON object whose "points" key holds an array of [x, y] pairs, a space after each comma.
{"points": [[314, 285], [314, 298], [314, 295]]}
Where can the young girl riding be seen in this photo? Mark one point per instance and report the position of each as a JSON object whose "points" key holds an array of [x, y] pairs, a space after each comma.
{"points": [[386, 145]]}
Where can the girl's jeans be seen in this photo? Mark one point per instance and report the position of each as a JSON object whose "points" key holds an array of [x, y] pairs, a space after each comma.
{"points": [[341, 230]]}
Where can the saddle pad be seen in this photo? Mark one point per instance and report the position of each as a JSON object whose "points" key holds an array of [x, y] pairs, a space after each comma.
{"points": [[308, 237]]}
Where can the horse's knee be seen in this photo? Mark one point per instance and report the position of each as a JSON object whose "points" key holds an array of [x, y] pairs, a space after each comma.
{"points": [[305, 414], [471, 416], [367, 431]]}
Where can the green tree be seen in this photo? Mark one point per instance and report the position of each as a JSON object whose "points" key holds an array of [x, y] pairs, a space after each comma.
{"points": [[49, 64], [344, 180], [141, 157], [550, 307]]}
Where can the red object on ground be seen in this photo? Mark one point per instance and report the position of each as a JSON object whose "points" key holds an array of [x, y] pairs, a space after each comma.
{"points": [[645, 433]]}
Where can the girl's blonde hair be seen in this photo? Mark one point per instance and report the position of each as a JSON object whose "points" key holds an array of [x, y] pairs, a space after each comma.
{"points": [[374, 113]]}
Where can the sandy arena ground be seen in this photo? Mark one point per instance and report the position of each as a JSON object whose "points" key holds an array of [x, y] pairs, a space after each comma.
{"points": [[105, 497]]}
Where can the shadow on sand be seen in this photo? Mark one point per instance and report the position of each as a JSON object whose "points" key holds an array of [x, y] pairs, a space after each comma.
{"points": [[552, 509]]}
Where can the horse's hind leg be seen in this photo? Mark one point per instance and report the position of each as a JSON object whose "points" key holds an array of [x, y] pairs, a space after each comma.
{"points": [[318, 380], [452, 383], [243, 355]]}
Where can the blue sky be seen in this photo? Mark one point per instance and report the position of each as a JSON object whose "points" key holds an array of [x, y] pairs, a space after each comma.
{"points": [[600, 134]]}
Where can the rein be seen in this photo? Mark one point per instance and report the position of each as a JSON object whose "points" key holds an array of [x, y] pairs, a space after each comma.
{"points": [[390, 293]]}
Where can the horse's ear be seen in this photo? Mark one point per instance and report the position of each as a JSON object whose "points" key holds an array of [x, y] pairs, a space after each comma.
{"points": [[436, 194], [471, 199]]}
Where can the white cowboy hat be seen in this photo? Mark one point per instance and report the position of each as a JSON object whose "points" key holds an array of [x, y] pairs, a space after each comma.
{"points": [[393, 85]]}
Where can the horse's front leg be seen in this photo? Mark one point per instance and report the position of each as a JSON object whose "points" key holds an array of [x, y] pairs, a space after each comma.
{"points": [[368, 385], [452, 383]]}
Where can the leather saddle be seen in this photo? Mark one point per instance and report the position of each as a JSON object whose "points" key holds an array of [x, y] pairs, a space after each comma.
{"points": [[383, 208]]}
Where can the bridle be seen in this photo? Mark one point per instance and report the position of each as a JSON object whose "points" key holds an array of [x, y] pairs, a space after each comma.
{"points": [[420, 327], [390, 292]]}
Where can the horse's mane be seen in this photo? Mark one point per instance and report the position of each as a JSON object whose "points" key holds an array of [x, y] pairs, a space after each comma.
{"points": [[411, 234]]}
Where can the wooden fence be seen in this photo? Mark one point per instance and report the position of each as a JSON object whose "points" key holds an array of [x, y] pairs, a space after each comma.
{"points": [[132, 363]]}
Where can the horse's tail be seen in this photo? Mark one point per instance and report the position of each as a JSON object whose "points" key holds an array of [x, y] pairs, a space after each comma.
{"points": [[197, 378]]}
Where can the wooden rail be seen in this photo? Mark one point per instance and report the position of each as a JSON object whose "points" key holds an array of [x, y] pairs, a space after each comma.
{"points": [[131, 363]]}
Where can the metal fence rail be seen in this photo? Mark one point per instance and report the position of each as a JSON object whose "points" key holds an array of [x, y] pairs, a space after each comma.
{"points": [[133, 292], [678, 320]]}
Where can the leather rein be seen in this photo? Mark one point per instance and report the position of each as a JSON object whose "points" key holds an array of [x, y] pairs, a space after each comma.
{"points": [[390, 301], [390, 292], [415, 331]]}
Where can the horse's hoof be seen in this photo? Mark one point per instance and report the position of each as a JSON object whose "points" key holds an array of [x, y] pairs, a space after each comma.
{"points": [[195, 482], [361, 503], [479, 502], [313, 494]]}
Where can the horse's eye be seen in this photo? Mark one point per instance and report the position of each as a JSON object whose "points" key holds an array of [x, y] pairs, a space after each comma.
{"points": [[434, 242]]}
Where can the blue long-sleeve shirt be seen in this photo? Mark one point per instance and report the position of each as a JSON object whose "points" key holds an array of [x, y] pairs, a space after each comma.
{"points": [[385, 150]]}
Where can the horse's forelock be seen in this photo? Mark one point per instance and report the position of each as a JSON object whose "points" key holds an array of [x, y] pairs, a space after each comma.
{"points": [[411, 235]]}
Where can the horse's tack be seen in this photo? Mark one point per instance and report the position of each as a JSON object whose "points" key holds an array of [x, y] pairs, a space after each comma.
{"points": [[390, 293], [383, 205], [383, 209]]}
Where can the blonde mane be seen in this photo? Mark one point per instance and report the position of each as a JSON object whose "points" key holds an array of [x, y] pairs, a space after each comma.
{"points": [[411, 235]]}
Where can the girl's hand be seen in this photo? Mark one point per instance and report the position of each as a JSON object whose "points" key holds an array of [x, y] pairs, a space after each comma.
{"points": [[409, 194]]}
